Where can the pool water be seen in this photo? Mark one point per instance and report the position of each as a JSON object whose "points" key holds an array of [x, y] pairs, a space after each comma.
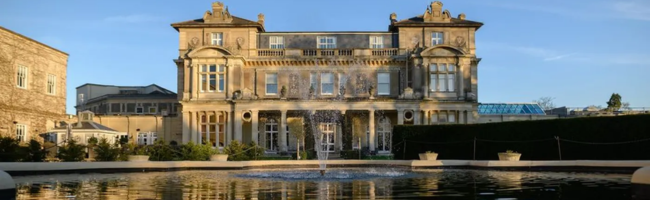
{"points": [[377, 183]]}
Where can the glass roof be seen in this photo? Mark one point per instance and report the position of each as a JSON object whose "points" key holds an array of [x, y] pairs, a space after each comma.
{"points": [[510, 109]]}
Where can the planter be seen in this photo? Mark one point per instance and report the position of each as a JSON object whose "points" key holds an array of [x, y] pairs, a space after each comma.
{"points": [[509, 156], [138, 158], [219, 157], [428, 156]]}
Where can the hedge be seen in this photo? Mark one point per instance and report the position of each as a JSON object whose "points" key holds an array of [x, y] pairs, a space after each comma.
{"points": [[594, 138]]}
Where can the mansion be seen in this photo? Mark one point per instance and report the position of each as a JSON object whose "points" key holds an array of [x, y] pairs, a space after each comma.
{"points": [[236, 81]]}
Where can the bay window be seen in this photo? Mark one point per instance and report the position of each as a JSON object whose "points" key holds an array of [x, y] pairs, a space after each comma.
{"points": [[442, 77]]}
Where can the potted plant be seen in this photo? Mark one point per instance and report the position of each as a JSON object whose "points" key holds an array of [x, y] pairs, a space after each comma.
{"points": [[311, 91], [283, 92], [216, 155], [509, 155], [429, 155], [342, 91], [138, 153]]}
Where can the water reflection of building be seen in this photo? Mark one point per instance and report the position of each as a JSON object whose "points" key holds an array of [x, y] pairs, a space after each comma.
{"points": [[233, 73]]}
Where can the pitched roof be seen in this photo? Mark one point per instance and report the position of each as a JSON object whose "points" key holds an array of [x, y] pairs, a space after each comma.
{"points": [[236, 22], [87, 126], [418, 21]]}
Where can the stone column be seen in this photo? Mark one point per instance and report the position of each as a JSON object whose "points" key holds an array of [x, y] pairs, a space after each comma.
{"points": [[460, 77], [426, 118], [228, 80], [416, 117], [195, 127], [254, 126], [283, 131], [238, 125], [195, 81], [371, 126], [186, 81], [339, 132], [400, 117], [229, 126], [461, 118], [186, 127]]}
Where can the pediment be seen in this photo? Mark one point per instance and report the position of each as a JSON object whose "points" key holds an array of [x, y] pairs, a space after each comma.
{"points": [[209, 52], [442, 51]]}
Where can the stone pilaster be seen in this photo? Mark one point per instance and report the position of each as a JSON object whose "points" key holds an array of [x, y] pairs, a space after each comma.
{"points": [[186, 127], [283, 131], [238, 125], [371, 126], [254, 126]]}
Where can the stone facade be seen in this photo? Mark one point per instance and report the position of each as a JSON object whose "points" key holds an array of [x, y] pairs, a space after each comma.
{"points": [[138, 111], [240, 82], [33, 85]]}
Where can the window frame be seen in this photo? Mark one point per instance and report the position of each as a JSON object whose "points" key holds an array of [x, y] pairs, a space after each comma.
{"points": [[386, 82], [21, 129], [22, 77], [139, 107], [376, 42], [266, 83], [276, 42], [205, 76], [326, 44], [437, 38], [218, 40], [313, 80], [447, 76], [50, 88], [322, 83]]}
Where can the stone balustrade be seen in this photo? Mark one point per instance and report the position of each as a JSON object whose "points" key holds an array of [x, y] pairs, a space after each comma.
{"points": [[388, 52]]}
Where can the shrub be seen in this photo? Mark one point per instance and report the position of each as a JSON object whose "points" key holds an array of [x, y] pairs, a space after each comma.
{"points": [[255, 151], [160, 151], [235, 151], [34, 152], [72, 151], [8, 149], [104, 151], [92, 141], [195, 152]]}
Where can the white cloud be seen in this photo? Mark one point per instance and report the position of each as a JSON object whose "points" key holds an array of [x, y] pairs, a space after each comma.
{"points": [[558, 57], [135, 18]]}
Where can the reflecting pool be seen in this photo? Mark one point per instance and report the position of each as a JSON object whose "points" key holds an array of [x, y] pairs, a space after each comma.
{"points": [[354, 183]]}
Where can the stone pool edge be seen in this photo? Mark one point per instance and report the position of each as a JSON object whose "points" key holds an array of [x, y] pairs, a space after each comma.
{"points": [[27, 168]]}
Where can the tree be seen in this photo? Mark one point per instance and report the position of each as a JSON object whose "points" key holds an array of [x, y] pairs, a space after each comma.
{"points": [[546, 102], [626, 106], [34, 152], [614, 103], [104, 151], [72, 151]]}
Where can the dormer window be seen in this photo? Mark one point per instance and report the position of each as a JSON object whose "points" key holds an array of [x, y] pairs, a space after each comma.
{"points": [[276, 42], [217, 39], [376, 42], [437, 38], [326, 42]]}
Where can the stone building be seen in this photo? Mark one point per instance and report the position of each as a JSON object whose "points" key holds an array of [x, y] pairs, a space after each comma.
{"points": [[32, 86], [237, 81], [144, 113]]}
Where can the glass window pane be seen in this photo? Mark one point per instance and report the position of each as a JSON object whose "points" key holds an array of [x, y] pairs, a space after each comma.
{"points": [[451, 82], [222, 83], [383, 89], [204, 68], [271, 88], [452, 117], [222, 68], [213, 82], [383, 78], [433, 82], [433, 67], [442, 67], [442, 83], [271, 78], [434, 117], [452, 67], [442, 116], [213, 68]]}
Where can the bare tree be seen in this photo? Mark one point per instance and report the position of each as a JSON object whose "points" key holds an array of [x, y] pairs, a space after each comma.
{"points": [[626, 106], [545, 102]]}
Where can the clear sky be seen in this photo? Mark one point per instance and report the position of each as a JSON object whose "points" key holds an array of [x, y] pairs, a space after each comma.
{"points": [[578, 51]]}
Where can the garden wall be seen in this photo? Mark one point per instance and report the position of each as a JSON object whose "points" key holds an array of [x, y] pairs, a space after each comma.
{"points": [[594, 138]]}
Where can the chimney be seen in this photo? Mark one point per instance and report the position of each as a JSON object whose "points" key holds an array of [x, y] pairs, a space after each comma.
{"points": [[260, 19]]}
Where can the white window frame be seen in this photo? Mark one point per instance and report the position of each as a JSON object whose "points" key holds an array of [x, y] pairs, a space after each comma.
{"points": [[384, 134], [268, 134], [21, 132], [22, 77], [326, 44], [216, 38], [442, 77], [324, 82], [437, 38], [276, 42], [147, 138], [153, 106], [384, 83], [328, 130], [376, 42], [266, 83], [218, 121], [51, 84], [206, 75], [141, 109]]}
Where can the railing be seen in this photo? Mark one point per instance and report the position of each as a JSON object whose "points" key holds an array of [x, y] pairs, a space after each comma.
{"points": [[384, 52], [270, 52], [328, 52]]}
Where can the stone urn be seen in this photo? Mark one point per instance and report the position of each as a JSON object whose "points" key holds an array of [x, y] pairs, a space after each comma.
{"points": [[283, 92], [428, 156], [371, 91], [138, 158], [509, 156], [219, 157]]}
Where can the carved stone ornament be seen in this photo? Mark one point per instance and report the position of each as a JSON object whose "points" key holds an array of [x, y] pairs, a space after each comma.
{"points": [[460, 42], [194, 41]]}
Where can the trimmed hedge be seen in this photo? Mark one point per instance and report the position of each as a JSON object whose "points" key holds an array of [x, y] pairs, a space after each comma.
{"points": [[534, 139]]}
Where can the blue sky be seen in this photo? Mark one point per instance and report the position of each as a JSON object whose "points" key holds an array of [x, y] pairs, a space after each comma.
{"points": [[578, 51]]}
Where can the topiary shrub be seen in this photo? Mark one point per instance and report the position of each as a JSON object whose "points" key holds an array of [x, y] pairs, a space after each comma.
{"points": [[104, 151], [72, 152], [9, 147], [235, 151], [33, 152]]}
